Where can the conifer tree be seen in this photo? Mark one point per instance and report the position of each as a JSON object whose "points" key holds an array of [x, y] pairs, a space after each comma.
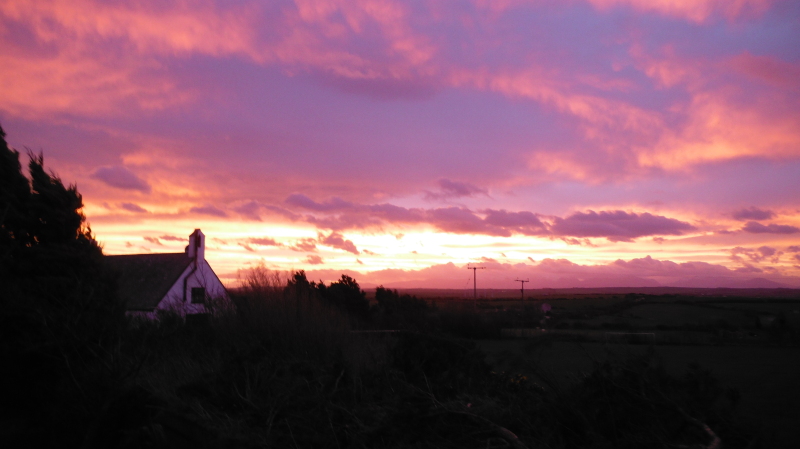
{"points": [[14, 200], [59, 314]]}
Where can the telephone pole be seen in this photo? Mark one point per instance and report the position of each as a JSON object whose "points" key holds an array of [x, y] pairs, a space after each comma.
{"points": [[522, 291], [475, 284]]}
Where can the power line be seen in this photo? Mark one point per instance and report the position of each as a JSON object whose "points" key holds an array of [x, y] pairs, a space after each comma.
{"points": [[522, 291], [475, 283]]}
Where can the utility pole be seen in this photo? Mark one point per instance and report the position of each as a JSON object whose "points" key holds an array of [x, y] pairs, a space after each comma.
{"points": [[522, 292], [475, 284]]}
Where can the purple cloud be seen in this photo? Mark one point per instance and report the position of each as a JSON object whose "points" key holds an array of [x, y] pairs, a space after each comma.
{"points": [[131, 207], [314, 259], [526, 223], [577, 242], [336, 240], [249, 209], [755, 255], [453, 189], [172, 238], [617, 225], [305, 245], [337, 214], [459, 220], [153, 240], [747, 268], [121, 178], [208, 210], [753, 213], [757, 228], [302, 201], [265, 241]]}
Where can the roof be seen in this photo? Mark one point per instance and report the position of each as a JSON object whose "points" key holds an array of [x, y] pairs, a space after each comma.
{"points": [[146, 278]]}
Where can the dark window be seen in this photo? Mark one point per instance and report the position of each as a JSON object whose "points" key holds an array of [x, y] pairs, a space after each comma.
{"points": [[198, 295]]}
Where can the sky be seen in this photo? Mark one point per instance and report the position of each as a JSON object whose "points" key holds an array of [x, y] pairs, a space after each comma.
{"points": [[577, 143]]}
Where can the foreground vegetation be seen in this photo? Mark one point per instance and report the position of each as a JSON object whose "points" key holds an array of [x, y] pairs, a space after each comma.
{"points": [[289, 367]]}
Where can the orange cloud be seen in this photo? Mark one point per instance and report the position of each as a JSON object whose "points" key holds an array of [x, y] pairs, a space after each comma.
{"points": [[150, 26], [726, 118]]}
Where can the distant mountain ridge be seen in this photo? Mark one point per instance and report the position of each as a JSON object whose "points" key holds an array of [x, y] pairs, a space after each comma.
{"points": [[723, 282]]}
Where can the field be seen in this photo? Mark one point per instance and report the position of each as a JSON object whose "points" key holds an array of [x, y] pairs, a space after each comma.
{"points": [[748, 343]]}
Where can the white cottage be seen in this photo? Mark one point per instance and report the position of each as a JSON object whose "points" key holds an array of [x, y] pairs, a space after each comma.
{"points": [[180, 282]]}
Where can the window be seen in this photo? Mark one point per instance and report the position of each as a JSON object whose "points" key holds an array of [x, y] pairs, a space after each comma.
{"points": [[198, 295]]}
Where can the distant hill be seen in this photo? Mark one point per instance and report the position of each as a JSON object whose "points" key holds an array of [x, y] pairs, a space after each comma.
{"points": [[758, 283], [725, 282]]}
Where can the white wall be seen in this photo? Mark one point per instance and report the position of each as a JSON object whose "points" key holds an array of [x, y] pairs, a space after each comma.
{"points": [[203, 276]]}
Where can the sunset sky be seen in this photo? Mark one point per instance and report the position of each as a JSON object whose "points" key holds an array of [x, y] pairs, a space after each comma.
{"points": [[572, 143]]}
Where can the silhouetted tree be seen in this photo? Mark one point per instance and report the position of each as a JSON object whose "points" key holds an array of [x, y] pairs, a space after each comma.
{"points": [[396, 311], [59, 316], [299, 285], [15, 194], [346, 295]]}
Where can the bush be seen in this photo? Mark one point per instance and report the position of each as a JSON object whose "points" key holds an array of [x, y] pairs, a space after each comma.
{"points": [[394, 311]]}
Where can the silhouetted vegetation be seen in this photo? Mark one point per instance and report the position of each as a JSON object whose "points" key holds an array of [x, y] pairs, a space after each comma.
{"points": [[59, 318], [285, 369]]}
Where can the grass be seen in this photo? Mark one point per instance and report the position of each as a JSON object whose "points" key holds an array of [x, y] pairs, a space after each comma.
{"points": [[763, 377]]}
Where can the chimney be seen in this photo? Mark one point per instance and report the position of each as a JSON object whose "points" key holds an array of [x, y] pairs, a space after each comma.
{"points": [[197, 245]]}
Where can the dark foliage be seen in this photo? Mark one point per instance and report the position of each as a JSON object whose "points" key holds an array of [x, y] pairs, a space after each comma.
{"points": [[346, 295], [58, 313], [395, 311]]}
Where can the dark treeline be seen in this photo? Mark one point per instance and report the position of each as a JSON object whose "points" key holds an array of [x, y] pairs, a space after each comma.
{"points": [[285, 364], [391, 311]]}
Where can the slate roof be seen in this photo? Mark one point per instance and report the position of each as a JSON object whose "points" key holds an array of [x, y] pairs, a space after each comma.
{"points": [[146, 278]]}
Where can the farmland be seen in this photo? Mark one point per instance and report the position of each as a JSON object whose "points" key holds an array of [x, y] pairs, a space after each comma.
{"points": [[748, 342]]}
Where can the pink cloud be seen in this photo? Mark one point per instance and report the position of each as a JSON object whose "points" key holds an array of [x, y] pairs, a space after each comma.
{"points": [[314, 259], [561, 273], [693, 10], [208, 210], [305, 245], [121, 178], [264, 241], [776, 72]]}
